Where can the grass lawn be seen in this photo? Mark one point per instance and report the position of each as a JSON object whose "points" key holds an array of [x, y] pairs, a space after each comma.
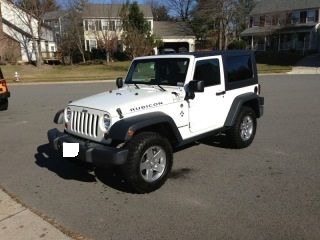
{"points": [[48, 73], [267, 63], [266, 68], [273, 62]]}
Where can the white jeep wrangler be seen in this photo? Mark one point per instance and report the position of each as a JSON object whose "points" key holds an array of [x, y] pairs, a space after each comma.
{"points": [[164, 103]]}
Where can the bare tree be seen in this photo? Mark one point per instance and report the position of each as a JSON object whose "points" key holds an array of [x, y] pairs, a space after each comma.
{"points": [[107, 30], [221, 14], [242, 15], [34, 21], [159, 10], [73, 29], [181, 8]]}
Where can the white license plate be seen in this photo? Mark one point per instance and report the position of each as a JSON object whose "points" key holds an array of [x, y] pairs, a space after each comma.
{"points": [[70, 150]]}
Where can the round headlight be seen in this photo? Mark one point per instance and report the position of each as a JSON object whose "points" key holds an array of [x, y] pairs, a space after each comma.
{"points": [[106, 121], [68, 114]]}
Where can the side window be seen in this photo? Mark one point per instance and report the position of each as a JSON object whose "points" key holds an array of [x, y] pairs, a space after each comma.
{"points": [[239, 68], [208, 71]]}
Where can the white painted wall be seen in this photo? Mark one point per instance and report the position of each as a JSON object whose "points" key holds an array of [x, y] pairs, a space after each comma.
{"points": [[18, 17], [94, 35], [21, 20], [190, 40]]}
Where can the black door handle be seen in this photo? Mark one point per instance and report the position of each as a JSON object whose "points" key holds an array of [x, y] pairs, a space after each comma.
{"points": [[221, 93]]}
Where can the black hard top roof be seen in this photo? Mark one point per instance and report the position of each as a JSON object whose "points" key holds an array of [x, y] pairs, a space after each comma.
{"points": [[215, 53]]}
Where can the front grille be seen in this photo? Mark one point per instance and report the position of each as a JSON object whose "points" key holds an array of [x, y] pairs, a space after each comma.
{"points": [[84, 123]]}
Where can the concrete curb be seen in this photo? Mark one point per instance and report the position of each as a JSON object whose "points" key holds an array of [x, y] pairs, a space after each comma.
{"points": [[111, 80], [272, 74], [19, 222], [305, 70], [55, 83]]}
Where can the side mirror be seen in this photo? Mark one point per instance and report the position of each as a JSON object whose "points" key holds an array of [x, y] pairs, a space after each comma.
{"points": [[196, 86], [119, 82]]}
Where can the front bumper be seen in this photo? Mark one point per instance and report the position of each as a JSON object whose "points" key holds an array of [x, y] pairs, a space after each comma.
{"points": [[95, 153], [5, 95]]}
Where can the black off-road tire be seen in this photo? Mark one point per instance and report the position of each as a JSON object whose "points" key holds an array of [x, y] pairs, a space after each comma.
{"points": [[234, 134], [131, 169], [4, 105]]}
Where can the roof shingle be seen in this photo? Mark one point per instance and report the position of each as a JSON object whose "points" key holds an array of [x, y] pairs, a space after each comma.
{"points": [[54, 15], [269, 6], [171, 29], [110, 10]]}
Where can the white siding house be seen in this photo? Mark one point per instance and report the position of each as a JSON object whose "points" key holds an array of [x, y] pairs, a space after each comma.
{"points": [[15, 24], [105, 18], [284, 25]]}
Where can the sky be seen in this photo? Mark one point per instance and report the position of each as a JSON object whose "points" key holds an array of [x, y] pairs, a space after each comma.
{"points": [[62, 3]]}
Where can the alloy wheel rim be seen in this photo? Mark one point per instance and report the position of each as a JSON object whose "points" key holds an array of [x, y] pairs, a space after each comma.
{"points": [[153, 163], [246, 128]]}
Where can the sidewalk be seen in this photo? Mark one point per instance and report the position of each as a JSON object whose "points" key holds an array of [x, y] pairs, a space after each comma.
{"points": [[308, 65], [19, 223]]}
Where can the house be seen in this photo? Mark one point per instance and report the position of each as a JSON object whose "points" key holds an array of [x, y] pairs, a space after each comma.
{"points": [[175, 35], [57, 22], [17, 29], [101, 18], [282, 25]]}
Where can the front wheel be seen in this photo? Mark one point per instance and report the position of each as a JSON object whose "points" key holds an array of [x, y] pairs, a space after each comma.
{"points": [[149, 162], [243, 132]]}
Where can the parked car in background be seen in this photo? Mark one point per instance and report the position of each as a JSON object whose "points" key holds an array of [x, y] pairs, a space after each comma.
{"points": [[183, 50], [4, 93], [167, 51]]}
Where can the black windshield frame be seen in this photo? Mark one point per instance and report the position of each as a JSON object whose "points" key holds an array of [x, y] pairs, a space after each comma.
{"points": [[172, 77]]}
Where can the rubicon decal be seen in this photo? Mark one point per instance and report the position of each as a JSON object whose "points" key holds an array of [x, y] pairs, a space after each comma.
{"points": [[152, 105]]}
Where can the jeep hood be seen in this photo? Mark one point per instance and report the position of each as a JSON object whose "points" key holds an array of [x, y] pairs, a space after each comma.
{"points": [[130, 99]]}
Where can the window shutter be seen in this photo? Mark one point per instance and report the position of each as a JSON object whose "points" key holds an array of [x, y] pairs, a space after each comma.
{"points": [[88, 46], [86, 25]]}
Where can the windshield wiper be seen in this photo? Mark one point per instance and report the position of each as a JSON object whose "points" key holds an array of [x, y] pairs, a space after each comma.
{"points": [[161, 88], [137, 87]]}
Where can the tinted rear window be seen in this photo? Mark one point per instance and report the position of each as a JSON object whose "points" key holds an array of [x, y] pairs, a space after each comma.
{"points": [[239, 68]]}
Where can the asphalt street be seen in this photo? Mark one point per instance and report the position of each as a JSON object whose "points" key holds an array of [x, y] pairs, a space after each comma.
{"points": [[270, 190]]}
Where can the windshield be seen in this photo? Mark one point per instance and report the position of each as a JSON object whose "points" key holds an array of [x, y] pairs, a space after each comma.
{"points": [[160, 71]]}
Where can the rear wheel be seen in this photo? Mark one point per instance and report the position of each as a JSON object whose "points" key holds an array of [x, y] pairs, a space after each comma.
{"points": [[4, 105], [243, 132], [149, 162]]}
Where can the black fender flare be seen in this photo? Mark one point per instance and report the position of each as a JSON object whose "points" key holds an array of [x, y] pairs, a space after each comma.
{"points": [[239, 101], [124, 129], [58, 118]]}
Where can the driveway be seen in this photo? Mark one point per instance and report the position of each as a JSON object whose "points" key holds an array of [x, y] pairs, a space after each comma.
{"points": [[308, 65]]}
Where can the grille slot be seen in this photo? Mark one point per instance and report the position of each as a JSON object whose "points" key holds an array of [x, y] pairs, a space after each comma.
{"points": [[84, 123]]}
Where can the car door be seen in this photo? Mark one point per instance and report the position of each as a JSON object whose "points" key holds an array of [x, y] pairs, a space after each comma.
{"points": [[206, 108]]}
